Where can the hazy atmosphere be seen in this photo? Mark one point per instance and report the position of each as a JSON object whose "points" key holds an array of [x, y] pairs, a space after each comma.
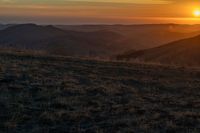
{"points": [[99, 11], [99, 66]]}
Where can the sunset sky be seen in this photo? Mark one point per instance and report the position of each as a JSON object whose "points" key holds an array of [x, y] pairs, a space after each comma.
{"points": [[99, 11]]}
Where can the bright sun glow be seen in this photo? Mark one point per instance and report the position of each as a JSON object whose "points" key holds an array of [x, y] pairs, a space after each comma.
{"points": [[196, 13]]}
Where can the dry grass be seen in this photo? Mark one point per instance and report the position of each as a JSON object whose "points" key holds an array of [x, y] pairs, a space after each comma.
{"points": [[69, 95]]}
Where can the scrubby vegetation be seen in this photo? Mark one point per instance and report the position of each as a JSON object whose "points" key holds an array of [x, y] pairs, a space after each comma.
{"points": [[67, 95]]}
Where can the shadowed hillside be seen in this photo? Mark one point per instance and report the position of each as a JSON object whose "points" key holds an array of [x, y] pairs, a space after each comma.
{"points": [[184, 52], [4, 26], [102, 41], [70, 95], [139, 37], [56, 41]]}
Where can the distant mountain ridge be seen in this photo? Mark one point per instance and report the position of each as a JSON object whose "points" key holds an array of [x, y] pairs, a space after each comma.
{"points": [[4, 26], [183, 52], [142, 36], [93, 41], [57, 41]]}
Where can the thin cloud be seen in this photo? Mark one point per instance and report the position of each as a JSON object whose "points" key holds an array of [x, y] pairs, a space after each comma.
{"points": [[100, 1], [87, 1]]}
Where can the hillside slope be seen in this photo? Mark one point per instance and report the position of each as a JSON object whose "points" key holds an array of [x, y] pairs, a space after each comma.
{"points": [[4, 26], [56, 41], [182, 52], [58, 95], [145, 36], [93, 41]]}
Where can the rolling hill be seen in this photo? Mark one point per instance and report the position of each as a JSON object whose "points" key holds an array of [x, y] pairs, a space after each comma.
{"points": [[93, 41], [145, 36], [183, 52], [4, 26], [56, 41]]}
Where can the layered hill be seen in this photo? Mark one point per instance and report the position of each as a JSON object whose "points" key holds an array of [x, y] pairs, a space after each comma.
{"points": [[57, 41], [4, 26], [93, 41], [145, 36], [183, 52]]}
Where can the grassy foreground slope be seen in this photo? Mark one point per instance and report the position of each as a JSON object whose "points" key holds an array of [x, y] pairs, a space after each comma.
{"points": [[68, 95]]}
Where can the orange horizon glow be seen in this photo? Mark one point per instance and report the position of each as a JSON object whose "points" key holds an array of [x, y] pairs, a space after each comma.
{"points": [[100, 11], [196, 13]]}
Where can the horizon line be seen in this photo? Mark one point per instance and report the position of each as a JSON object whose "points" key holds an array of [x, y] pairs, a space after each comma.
{"points": [[94, 24]]}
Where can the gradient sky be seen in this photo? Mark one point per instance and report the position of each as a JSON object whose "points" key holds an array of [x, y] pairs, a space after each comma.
{"points": [[98, 11]]}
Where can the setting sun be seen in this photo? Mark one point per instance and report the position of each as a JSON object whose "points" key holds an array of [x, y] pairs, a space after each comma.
{"points": [[196, 13]]}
